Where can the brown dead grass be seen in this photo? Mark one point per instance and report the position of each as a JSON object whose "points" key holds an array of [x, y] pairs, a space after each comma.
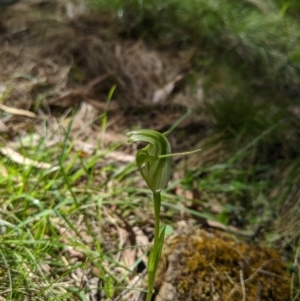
{"points": [[50, 61]]}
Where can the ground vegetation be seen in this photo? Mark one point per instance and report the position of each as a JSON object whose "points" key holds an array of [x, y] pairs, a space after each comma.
{"points": [[76, 76]]}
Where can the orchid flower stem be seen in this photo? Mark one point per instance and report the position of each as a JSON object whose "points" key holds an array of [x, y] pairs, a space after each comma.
{"points": [[157, 202], [156, 250]]}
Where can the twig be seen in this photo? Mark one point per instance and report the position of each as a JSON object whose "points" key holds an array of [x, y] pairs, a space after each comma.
{"points": [[243, 285], [251, 277]]}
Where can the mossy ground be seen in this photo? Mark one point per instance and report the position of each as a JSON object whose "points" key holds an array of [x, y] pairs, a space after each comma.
{"points": [[198, 265]]}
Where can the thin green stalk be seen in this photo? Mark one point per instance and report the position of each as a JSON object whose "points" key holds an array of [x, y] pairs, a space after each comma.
{"points": [[157, 202], [155, 252]]}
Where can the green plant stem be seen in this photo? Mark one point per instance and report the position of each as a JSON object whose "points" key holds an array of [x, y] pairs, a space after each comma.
{"points": [[156, 250], [157, 202]]}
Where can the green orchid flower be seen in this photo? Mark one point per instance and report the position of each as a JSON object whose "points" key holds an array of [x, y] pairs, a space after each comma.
{"points": [[153, 161]]}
